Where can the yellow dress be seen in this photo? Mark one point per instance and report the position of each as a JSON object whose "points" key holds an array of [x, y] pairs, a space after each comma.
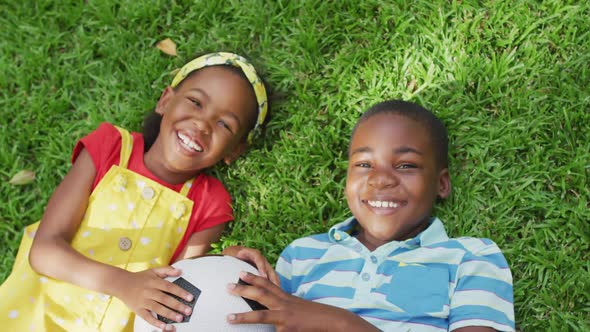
{"points": [[131, 222]]}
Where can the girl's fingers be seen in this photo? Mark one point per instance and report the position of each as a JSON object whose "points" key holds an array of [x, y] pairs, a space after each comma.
{"points": [[147, 316], [172, 303], [168, 287], [167, 271], [164, 311]]}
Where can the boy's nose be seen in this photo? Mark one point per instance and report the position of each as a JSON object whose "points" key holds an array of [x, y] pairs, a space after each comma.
{"points": [[380, 178]]}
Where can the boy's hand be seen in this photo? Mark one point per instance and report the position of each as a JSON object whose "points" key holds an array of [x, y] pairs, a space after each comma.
{"points": [[255, 257], [144, 291], [291, 313]]}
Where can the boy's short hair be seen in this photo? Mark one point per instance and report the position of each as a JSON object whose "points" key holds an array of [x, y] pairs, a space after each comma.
{"points": [[438, 132]]}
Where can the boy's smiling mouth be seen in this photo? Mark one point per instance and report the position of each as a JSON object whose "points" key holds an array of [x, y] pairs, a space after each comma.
{"points": [[188, 143], [384, 206]]}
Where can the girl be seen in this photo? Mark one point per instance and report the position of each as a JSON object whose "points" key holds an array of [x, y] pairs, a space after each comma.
{"points": [[121, 215]]}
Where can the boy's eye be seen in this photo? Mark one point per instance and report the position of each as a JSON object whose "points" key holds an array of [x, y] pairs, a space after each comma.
{"points": [[363, 165], [406, 166]]}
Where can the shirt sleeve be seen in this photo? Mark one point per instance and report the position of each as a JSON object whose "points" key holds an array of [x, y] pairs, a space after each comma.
{"points": [[102, 144], [218, 209], [284, 269], [104, 147], [483, 295], [212, 206]]}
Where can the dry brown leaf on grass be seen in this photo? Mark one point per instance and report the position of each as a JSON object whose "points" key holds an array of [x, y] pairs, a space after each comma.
{"points": [[167, 46], [412, 85], [22, 177]]}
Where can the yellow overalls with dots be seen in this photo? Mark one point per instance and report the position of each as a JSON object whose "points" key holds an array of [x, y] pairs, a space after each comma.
{"points": [[131, 222]]}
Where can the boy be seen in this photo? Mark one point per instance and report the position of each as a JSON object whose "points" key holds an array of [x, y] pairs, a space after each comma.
{"points": [[391, 265]]}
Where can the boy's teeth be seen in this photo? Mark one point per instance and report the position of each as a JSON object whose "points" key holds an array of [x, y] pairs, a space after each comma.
{"points": [[383, 204], [190, 143]]}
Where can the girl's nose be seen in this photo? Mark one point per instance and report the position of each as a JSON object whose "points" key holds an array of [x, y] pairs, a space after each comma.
{"points": [[203, 126]]}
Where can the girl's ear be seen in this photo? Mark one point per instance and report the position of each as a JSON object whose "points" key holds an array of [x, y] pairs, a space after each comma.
{"points": [[444, 183], [164, 99], [236, 153]]}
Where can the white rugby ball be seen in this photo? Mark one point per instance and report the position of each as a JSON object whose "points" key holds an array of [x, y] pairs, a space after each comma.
{"points": [[206, 277]]}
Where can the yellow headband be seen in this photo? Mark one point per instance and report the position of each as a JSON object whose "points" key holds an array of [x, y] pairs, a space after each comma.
{"points": [[224, 58]]}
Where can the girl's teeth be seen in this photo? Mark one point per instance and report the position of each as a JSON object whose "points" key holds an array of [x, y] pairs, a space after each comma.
{"points": [[384, 204], [189, 143]]}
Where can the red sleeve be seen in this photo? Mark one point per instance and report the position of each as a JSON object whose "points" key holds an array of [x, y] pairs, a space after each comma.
{"points": [[219, 209], [104, 147], [212, 206]]}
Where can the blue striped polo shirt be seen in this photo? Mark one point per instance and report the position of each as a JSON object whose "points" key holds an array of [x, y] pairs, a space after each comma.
{"points": [[428, 283]]}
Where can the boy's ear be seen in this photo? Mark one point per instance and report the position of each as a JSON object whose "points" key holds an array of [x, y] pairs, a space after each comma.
{"points": [[167, 93], [444, 183], [236, 153]]}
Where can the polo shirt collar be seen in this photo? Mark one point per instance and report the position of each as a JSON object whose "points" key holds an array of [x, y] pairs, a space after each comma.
{"points": [[341, 231], [435, 233]]}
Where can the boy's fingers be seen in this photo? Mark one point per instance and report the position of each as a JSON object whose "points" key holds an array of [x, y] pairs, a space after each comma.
{"points": [[232, 250], [255, 280], [254, 256], [261, 292], [274, 277], [255, 317]]}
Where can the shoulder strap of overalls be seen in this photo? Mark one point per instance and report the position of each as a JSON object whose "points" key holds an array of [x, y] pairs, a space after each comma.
{"points": [[186, 187], [127, 147]]}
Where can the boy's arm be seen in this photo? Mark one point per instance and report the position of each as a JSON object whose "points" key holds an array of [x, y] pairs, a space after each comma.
{"points": [[291, 313], [483, 296], [475, 329]]}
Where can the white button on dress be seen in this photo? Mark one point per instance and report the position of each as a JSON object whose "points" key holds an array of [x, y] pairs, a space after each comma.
{"points": [[124, 243], [147, 193]]}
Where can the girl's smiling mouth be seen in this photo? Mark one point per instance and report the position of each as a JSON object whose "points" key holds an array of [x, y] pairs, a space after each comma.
{"points": [[188, 143]]}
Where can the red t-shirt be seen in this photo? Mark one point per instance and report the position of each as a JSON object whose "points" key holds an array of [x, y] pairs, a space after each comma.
{"points": [[212, 202]]}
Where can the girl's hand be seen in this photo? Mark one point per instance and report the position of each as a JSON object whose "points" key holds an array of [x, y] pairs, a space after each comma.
{"points": [[145, 291], [291, 313], [255, 257]]}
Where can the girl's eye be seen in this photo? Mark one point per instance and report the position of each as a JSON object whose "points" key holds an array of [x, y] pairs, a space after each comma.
{"points": [[224, 125], [196, 103]]}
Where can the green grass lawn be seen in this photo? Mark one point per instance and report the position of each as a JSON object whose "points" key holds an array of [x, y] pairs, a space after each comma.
{"points": [[511, 79]]}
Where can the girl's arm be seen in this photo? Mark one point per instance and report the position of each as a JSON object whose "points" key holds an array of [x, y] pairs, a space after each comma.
{"points": [[52, 254], [51, 250], [200, 243]]}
